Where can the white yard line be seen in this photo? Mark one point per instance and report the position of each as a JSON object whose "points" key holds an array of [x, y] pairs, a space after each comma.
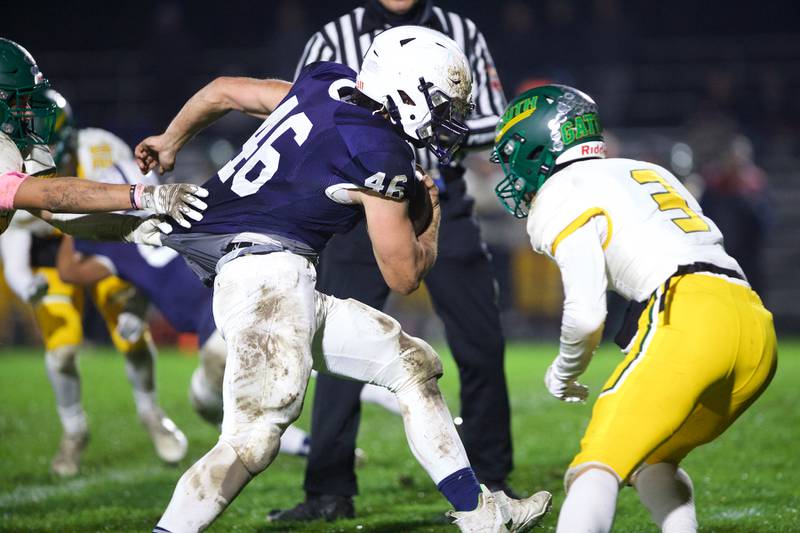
{"points": [[25, 494]]}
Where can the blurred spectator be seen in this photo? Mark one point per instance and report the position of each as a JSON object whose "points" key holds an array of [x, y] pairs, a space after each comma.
{"points": [[736, 198]]}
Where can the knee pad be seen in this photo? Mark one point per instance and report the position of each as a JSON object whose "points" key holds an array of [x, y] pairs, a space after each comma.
{"points": [[212, 358], [575, 471], [256, 446], [205, 398], [418, 363], [254, 429], [62, 358]]}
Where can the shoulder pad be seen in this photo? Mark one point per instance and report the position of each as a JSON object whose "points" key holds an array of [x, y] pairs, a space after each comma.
{"points": [[10, 156], [326, 70], [557, 205], [39, 161]]}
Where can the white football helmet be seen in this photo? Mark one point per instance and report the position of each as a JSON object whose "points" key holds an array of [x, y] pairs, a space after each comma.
{"points": [[423, 80]]}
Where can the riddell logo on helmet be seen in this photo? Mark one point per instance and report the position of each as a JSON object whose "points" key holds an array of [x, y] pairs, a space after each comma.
{"points": [[593, 149]]}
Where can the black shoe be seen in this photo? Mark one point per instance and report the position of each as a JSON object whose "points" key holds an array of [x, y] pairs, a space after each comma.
{"points": [[502, 486], [329, 507]]}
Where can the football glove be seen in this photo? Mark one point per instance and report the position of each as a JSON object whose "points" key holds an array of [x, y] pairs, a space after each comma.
{"points": [[566, 390], [36, 289], [177, 200], [148, 231]]}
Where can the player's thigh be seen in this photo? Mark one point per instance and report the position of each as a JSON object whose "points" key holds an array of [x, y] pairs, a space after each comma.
{"points": [[59, 313], [640, 406], [752, 371], [110, 296], [264, 306], [757, 359], [358, 342]]}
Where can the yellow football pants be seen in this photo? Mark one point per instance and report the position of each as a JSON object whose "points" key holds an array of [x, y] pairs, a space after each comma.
{"points": [[59, 313], [700, 359]]}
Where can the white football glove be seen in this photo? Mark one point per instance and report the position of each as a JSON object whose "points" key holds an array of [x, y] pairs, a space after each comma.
{"points": [[566, 390], [149, 231], [36, 289], [178, 200], [130, 326]]}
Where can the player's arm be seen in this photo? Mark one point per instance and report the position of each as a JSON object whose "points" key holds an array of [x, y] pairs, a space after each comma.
{"points": [[248, 95], [74, 195], [78, 269], [403, 257], [581, 260]]}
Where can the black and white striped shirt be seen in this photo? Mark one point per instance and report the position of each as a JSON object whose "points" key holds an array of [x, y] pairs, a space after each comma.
{"points": [[346, 38]]}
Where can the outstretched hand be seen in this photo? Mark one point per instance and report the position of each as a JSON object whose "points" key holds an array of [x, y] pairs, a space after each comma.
{"points": [[178, 200]]}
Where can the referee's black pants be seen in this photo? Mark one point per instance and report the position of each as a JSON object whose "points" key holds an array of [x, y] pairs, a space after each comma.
{"points": [[464, 296]]}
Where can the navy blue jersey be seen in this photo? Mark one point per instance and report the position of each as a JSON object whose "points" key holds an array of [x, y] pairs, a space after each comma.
{"points": [[163, 277], [285, 179]]}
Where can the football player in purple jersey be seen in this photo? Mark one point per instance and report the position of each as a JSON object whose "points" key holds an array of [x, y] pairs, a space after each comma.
{"points": [[334, 148]]}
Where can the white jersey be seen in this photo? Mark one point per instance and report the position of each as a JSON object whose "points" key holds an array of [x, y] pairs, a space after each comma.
{"points": [[652, 222], [10, 161], [98, 151]]}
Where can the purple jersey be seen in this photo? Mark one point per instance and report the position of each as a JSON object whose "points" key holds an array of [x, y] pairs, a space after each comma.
{"points": [[285, 180], [163, 277]]}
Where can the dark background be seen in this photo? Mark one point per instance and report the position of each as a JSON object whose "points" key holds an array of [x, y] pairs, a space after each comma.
{"points": [[678, 75]]}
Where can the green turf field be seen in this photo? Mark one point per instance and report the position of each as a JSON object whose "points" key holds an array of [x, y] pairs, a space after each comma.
{"points": [[745, 482]]}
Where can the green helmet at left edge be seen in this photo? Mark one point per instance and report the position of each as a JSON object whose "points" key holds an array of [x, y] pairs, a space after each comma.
{"points": [[26, 115], [540, 130], [64, 140]]}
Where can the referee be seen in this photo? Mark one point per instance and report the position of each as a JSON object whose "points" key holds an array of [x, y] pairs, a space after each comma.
{"points": [[461, 283]]}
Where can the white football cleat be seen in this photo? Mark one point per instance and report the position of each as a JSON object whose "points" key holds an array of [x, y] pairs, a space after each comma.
{"points": [[497, 513], [169, 441], [68, 459], [525, 513]]}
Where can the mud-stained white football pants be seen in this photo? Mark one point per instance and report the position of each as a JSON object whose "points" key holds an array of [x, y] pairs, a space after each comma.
{"points": [[277, 327]]}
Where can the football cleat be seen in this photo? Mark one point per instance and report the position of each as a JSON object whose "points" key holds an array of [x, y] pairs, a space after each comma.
{"points": [[170, 443], [497, 513], [67, 461], [522, 515]]}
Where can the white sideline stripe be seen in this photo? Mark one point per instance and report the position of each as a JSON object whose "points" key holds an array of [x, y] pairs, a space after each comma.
{"points": [[39, 493], [654, 311]]}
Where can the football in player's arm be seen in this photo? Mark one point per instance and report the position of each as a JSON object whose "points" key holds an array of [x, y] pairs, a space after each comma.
{"points": [[632, 226]]}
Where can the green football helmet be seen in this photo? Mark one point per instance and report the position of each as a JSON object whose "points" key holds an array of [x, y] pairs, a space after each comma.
{"points": [[64, 141], [540, 130], [25, 114]]}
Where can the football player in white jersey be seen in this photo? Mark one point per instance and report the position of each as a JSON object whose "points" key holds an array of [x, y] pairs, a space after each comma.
{"points": [[704, 347], [26, 122], [29, 249]]}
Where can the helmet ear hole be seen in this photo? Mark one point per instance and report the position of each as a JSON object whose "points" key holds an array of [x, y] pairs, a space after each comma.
{"points": [[535, 153], [405, 98]]}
